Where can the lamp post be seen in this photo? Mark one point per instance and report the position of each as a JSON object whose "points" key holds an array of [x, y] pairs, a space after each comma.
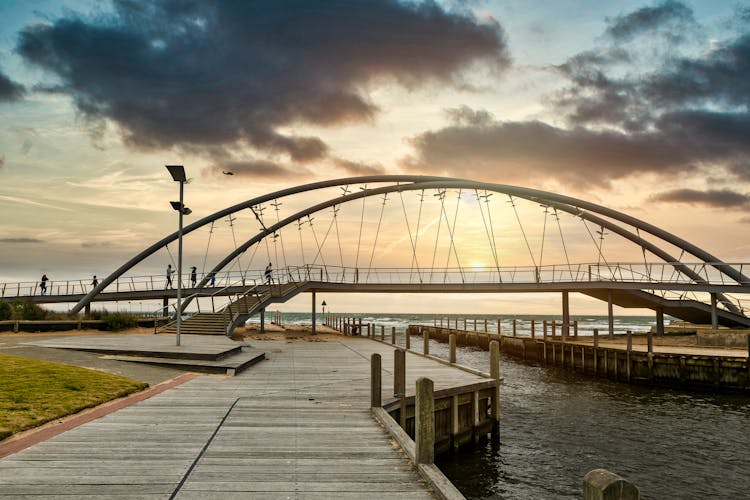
{"points": [[178, 175]]}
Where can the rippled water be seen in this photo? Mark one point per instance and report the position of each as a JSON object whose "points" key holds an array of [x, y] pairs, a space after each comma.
{"points": [[556, 426]]}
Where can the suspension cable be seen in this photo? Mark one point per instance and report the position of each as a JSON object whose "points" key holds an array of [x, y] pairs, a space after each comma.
{"points": [[416, 238], [441, 195], [487, 231], [515, 210], [562, 239], [361, 223], [411, 239], [276, 204], [492, 230], [336, 209], [310, 220], [452, 240], [205, 255], [377, 233], [544, 231], [600, 257]]}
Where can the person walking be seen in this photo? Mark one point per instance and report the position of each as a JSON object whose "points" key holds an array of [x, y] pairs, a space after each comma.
{"points": [[170, 272], [95, 282], [43, 284], [268, 273], [213, 279], [193, 275]]}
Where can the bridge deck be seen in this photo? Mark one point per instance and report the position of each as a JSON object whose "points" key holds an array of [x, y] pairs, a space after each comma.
{"points": [[295, 426]]}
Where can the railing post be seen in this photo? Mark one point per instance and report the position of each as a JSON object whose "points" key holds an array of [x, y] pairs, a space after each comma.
{"points": [[393, 335], [596, 351], [424, 422], [399, 382], [382, 332], [545, 329], [452, 344], [375, 381], [407, 336], [426, 341], [554, 324], [600, 484], [629, 355]]}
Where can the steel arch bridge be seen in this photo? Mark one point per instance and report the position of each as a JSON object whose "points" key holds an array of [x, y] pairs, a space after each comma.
{"points": [[476, 237]]}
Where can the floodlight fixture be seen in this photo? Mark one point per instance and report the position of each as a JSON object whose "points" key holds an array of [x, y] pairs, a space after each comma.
{"points": [[177, 172]]}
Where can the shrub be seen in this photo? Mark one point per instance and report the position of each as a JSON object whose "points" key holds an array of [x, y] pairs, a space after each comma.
{"points": [[6, 312], [117, 321], [28, 311]]}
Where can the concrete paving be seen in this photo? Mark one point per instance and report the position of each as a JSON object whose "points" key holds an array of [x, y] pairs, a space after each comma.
{"points": [[297, 425]]}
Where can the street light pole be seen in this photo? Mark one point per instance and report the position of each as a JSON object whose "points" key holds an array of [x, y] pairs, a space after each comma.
{"points": [[178, 175]]}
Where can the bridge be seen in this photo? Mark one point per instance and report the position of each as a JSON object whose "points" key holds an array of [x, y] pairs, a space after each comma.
{"points": [[419, 234]]}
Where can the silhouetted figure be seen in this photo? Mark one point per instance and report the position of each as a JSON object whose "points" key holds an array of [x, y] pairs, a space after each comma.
{"points": [[170, 272], [213, 279], [193, 275], [43, 284], [268, 273], [95, 282]]}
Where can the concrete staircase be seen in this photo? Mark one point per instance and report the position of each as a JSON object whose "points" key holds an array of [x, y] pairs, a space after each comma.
{"points": [[236, 312]]}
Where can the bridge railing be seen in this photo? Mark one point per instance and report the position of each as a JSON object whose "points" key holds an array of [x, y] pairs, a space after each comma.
{"points": [[645, 272]]}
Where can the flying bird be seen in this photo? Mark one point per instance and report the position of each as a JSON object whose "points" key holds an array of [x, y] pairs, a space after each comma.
{"points": [[225, 172]]}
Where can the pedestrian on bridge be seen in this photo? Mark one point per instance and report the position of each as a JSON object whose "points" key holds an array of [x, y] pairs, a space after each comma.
{"points": [[213, 279], [193, 275], [95, 282], [269, 273], [43, 284], [170, 272]]}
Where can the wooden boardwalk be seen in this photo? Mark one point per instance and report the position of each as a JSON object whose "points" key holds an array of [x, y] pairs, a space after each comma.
{"points": [[297, 425]]}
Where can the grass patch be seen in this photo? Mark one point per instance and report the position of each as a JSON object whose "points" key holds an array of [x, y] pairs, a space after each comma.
{"points": [[34, 392]]}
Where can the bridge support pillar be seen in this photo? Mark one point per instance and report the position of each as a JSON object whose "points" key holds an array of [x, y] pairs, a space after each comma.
{"points": [[565, 315], [714, 315], [263, 320], [610, 315], [314, 317], [165, 307], [88, 309], [660, 322]]}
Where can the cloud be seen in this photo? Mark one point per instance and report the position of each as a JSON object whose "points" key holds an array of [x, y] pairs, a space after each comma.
{"points": [[20, 240], [358, 168], [622, 113], [202, 74], [9, 90], [724, 198], [670, 17]]}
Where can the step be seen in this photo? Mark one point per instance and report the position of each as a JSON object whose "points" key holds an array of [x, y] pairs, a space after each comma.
{"points": [[231, 365]]}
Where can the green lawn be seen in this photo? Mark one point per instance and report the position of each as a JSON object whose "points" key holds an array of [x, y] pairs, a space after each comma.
{"points": [[33, 392]]}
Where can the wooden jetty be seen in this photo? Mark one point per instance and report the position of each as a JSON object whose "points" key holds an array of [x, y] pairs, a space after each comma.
{"points": [[297, 425]]}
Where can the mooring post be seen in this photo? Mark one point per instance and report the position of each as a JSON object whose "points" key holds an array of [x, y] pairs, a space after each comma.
{"points": [[554, 328], [544, 324], [628, 355], [714, 314], [485, 325], [434, 322], [382, 332], [498, 326], [375, 381], [464, 324], [565, 330], [596, 351], [575, 329], [600, 484], [361, 332], [650, 341], [407, 335], [495, 374], [532, 329], [426, 341], [314, 316], [393, 335], [424, 422], [514, 326], [475, 324], [452, 344]]}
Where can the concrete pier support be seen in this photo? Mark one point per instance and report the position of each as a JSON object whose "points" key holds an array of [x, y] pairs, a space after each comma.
{"points": [[714, 315], [660, 322], [314, 317], [565, 315]]}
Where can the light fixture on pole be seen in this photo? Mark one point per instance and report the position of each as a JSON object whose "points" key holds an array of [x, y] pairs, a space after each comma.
{"points": [[178, 175]]}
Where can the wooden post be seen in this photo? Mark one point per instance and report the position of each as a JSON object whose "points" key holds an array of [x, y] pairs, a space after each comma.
{"points": [[382, 332], [532, 329], [485, 325], [393, 335], [628, 355], [424, 422], [650, 341], [361, 332], [426, 341], [554, 325], [475, 324], [407, 334], [575, 328], [498, 326], [544, 324], [375, 381], [452, 344], [263, 320], [610, 315], [495, 374], [600, 484], [660, 322], [514, 327], [596, 351], [399, 373], [314, 315], [714, 315], [565, 329]]}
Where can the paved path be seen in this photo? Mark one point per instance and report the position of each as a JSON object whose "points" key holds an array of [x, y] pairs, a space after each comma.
{"points": [[294, 426]]}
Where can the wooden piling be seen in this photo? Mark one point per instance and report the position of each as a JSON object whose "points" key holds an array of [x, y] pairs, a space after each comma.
{"points": [[424, 422], [545, 329], [393, 335], [514, 327], [495, 374], [532, 330], [596, 351], [554, 324], [575, 329], [499, 321], [375, 381], [485, 325], [399, 373], [426, 341], [452, 344], [382, 332], [407, 335]]}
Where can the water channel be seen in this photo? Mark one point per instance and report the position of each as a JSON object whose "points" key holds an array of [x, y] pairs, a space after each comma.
{"points": [[556, 426]]}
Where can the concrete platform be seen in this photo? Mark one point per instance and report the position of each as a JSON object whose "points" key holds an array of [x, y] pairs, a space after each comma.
{"points": [[195, 352]]}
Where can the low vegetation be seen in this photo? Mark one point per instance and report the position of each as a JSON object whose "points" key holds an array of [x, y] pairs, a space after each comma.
{"points": [[27, 311], [34, 392]]}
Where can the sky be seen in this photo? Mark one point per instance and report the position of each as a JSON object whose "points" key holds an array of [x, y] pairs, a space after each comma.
{"points": [[641, 106]]}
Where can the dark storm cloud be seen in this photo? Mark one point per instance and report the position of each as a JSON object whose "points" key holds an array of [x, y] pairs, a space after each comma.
{"points": [[175, 73], [670, 17], [678, 115], [723, 198], [9, 90]]}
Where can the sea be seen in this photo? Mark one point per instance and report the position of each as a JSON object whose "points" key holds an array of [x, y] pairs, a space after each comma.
{"points": [[556, 426]]}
